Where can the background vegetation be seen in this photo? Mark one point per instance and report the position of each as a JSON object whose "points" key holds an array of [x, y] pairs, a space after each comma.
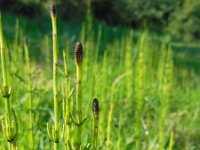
{"points": [[179, 18]]}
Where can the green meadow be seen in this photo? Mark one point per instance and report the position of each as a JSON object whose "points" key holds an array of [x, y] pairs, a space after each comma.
{"points": [[147, 86]]}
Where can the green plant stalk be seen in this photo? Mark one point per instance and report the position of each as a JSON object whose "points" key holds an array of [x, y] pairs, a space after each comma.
{"points": [[171, 142], [79, 105], [67, 103], [95, 108], [66, 100], [8, 113], [79, 62], [6, 90], [55, 86], [30, 94], [95, 140], [3, 56]]}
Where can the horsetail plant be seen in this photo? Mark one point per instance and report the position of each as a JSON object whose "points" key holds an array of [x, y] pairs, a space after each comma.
{"points": [[95, 109], [28, 69], [79, 61], [54, 134], [9, 124], [67, 104]]}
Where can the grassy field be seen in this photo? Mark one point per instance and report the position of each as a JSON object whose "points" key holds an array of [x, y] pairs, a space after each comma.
{"points": [[147, 87]]}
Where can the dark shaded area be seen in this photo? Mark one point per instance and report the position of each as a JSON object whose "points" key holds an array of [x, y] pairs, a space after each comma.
{"points": [[30, 9], [187, 57], [135, 13], [180, 18]]}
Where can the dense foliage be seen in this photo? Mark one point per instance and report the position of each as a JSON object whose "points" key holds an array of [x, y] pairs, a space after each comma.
{"points": [[179, 17]]}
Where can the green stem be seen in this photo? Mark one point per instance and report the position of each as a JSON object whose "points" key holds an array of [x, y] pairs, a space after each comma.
{"points": [[171, 142], [55, 64], [95, 140], [66, 101], [13, 145], [79, 104], [9, 146], [55, 80], [3, 56], [79, 61], [56, 146], [5, 88], [8, 113]]}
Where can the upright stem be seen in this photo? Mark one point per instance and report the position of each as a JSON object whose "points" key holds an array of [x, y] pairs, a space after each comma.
{"points": [[56, 146], [78, 60], [8, 112], [95, 108], [79, 103], [67, 102], [95, 134], [8, 126], [55, 84], [13, 145], [9, 146], [3, 56], [5, 88]]}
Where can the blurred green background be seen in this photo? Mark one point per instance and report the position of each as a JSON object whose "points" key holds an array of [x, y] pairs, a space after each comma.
{"points": [[180, 18]]}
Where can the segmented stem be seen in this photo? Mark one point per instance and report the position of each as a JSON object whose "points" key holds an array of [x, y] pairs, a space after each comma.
{"points": [[55, 84], [78, 60], [10, 133], [5, 81], [3, 56], [95, 108]]}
